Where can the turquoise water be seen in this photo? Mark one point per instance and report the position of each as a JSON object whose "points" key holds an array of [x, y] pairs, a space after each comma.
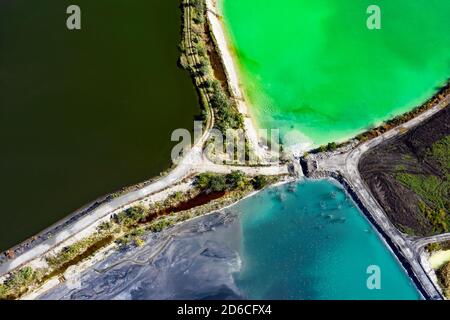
{"points": [[309, 241], [297, 241], [314, 68]]}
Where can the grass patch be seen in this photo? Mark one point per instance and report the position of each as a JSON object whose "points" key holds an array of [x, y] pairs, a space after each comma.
{"points": [[433, 190], [18, 282], [440, 152]]}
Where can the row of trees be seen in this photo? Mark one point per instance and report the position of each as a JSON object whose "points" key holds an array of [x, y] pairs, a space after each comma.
{"points": [[236, 180], [226, 114]]}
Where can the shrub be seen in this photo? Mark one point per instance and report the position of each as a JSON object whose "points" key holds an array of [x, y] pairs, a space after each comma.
{"points": [[433, 247], [210, 182], [259, 182], [139, 242], [332, 146], [16, 281], [236, 180], [130, 216], [160, 224]]}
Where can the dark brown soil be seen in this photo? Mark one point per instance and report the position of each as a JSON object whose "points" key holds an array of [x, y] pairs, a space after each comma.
{"points": [[379, 166], [199, 200], [215, 60], [86, 254]]}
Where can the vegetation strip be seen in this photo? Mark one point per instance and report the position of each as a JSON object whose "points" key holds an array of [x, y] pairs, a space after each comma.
{"points": [[211, 192], [390, 124], [195, 44]]}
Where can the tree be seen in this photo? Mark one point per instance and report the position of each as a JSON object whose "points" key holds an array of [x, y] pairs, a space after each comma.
{"points": [[236, 180], [259, 182], [218, 184]]}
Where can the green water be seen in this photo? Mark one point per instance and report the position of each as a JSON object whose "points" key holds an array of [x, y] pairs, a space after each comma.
{"points": [[314, 66], [309, 241], [83, 113]]}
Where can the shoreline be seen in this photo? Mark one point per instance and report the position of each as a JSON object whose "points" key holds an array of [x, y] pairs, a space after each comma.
{"points": [[111, 248], [175, 182], [221, 40], [343, 164], [372, 223], [155, 201], [384, 237], [401, 260], [84, 266]]}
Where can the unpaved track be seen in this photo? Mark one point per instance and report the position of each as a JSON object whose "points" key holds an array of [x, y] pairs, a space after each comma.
{"points": [[232, 75], [192, 163]]}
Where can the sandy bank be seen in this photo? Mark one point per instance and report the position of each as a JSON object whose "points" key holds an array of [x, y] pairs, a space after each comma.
{"points": [[221, 40], [439, 258]]}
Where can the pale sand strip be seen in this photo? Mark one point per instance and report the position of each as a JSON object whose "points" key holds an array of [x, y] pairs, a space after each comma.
{"points": [[232, 75], [439, 258]]}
